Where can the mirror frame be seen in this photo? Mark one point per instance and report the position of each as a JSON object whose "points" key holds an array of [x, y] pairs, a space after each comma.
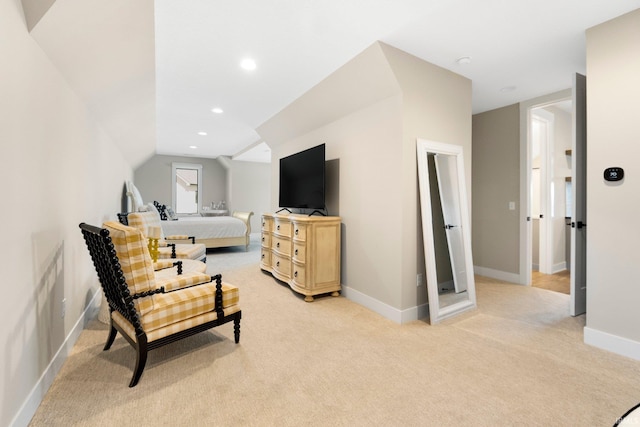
{"points": [[436, 313]]}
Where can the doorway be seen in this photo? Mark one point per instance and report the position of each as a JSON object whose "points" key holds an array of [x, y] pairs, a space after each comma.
{"points": [[562, 213], [550, 145]]}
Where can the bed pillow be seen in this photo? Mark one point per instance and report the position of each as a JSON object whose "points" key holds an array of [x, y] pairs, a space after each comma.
{"points": [[162, 210], [171, 215]]}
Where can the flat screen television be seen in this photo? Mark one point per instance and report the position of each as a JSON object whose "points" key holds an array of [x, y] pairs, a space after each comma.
{"points": [[302, 177]]}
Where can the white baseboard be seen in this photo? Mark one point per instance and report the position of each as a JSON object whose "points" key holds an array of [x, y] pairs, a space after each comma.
{"points": [[557, 268], [385, 310], [30, 405], [613, 343], [497, 274]]}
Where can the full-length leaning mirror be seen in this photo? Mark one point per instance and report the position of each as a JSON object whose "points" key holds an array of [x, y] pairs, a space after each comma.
{"points": [[446, 230]]}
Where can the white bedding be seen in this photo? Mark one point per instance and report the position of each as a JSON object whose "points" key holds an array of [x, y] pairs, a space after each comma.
{"points": [[205, 227]]}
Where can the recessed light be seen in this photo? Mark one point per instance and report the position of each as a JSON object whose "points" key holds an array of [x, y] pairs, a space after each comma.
{"points": [[248, 64], [463, 60], [193, 147], [202, 133], [508, 89], [217, 110]]}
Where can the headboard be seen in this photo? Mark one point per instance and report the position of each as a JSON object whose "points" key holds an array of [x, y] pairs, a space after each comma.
{"points": [[134, 196]]}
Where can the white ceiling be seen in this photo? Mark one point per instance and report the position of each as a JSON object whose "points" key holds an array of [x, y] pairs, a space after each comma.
{"points": [[534, 47]]}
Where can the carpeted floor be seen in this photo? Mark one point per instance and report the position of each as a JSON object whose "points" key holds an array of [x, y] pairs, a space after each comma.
{"points": [[519, 360]]}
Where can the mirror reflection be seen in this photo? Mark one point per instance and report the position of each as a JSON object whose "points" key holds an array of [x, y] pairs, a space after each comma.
{"points": [[450, 291], [186, 190], [445, 219]]}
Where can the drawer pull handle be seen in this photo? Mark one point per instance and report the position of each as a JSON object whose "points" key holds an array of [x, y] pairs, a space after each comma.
{"points": [[262, 256], [277, 263], [278, 245], [278, 227], [296, 231], [263, 238], [295, 274], [296, 252]]}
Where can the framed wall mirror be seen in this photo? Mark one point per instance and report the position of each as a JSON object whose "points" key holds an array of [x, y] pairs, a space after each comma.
{"points": [[446, 230], [186, 188]]}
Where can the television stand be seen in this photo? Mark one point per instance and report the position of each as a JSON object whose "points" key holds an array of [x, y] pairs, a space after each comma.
{"points": [[303, 252]]}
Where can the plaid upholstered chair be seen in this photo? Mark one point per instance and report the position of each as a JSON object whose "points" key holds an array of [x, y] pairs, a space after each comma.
{"points": [[150, 310], [168, 246]]}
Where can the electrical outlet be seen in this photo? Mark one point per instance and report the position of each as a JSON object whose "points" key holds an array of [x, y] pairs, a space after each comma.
{"points": [[419, 280], [64, 307]]}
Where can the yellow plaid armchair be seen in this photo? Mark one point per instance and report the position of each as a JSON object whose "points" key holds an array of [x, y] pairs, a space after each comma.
{"points": [[148, 310]]}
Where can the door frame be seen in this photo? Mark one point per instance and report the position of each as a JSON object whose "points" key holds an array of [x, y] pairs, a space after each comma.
{"points": [[525, 178]]}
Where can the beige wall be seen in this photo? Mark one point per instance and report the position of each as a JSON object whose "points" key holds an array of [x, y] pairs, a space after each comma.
{"points": [[250, 189], [613, 128], [60, 169], [437, 107], [369, 203], [153, 179], [376, 149], [496, 182]]}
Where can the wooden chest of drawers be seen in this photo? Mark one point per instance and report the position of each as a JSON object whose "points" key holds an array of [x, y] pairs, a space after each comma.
{"points": [[303, 252]]}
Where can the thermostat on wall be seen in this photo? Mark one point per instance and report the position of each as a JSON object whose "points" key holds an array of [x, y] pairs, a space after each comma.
{"points": [[613, 174]]}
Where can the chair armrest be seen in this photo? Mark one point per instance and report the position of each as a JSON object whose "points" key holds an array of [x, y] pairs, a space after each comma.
{"points": [[173, 250], [185, 280], [181, 237], [163, 264], [159, 290]]}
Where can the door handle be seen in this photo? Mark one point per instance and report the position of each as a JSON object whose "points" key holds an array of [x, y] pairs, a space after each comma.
{"points": [[448, 226], [578, 224]]}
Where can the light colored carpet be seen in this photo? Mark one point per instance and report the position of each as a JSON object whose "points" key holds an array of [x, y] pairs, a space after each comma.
{"points": [[518, 360], [220, 260]]}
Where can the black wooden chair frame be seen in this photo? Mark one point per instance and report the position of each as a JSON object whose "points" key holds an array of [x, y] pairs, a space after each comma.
{"points": [[120, 299]]}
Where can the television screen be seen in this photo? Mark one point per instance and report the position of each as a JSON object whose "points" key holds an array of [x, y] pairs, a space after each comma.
{"points": [[302, 179]]}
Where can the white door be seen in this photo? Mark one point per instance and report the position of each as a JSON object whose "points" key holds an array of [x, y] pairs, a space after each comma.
{"points": [[447, 173], [579, 198]]}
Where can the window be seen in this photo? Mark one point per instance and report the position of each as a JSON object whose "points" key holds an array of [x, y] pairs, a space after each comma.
{"points": [[187, 188]]}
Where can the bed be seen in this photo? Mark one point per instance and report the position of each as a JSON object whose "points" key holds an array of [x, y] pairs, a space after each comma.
{"points": [[212, 231]]}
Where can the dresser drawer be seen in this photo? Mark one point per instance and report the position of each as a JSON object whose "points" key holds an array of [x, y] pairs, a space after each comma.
{"points": [[281, 245], [265, 257], [299, 231], [299, 252], [298, 275], [266, 239], [282, 227], [267, 224], [281, 265]]}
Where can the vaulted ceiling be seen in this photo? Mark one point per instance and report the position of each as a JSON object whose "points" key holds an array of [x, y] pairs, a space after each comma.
{"points": [[152, 72]]}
